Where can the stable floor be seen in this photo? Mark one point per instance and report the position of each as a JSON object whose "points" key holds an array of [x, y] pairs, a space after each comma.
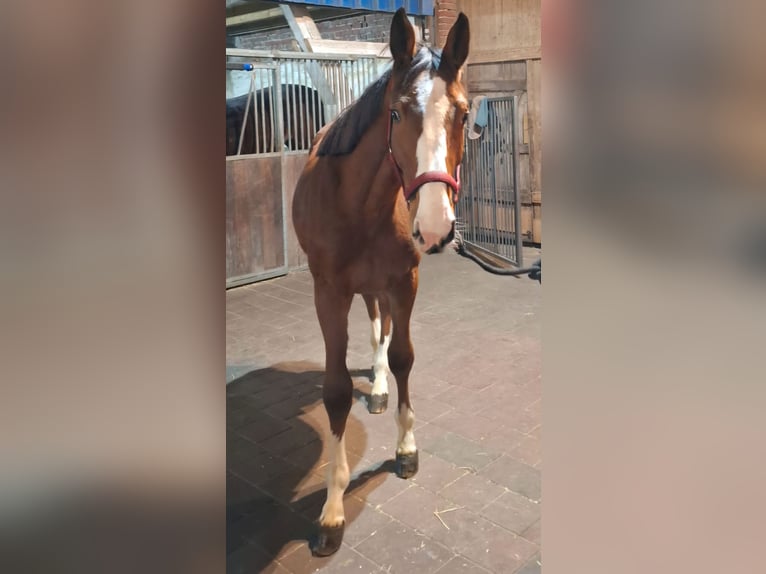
{"points": [[474, 505]]}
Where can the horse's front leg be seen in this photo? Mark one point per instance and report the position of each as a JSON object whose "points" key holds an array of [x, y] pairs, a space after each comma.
{"points": [[332, 309], [400, 359]]}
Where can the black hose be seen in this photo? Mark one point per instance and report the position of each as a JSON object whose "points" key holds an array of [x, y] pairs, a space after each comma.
{"points": [[534, 271]]}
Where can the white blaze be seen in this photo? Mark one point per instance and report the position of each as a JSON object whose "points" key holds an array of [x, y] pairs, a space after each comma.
{"points": [[435, 215]]}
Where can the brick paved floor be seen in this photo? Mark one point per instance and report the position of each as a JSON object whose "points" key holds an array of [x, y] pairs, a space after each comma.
{"points": [[474, 506]]}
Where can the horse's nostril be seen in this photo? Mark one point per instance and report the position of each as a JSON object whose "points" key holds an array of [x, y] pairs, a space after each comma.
{"points": [[450, 235], [417, 235]]}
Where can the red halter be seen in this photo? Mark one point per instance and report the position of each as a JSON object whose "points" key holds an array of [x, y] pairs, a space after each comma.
{"points": [[425, 177]]}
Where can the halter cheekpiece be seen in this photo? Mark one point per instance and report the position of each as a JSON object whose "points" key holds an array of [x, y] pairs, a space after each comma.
{"points": [[426, 177]]}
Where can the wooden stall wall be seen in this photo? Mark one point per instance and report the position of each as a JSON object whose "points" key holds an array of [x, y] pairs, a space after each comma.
{"points": [[259, 232], [292, 166], [505, 59], [255, 237]]}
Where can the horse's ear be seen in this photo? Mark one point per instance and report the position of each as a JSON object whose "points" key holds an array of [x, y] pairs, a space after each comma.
{"points": [[455, 50], [402, 39]]}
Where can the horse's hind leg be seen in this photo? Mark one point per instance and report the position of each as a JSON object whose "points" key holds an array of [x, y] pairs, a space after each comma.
{"points": [[379, 312], [401, 357], [332, 310]]}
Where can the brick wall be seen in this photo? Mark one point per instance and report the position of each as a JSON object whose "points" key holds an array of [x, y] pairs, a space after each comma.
{"points": [[271, 40], [446, 14], [370, 27]]}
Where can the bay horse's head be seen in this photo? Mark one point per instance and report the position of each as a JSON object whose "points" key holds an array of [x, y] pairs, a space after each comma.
{"points": [[428, 112]]}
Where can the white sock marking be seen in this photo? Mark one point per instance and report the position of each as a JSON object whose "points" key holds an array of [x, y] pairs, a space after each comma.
{"points": [[380, 368], [375, 335], [337, 482], [405, 420]]}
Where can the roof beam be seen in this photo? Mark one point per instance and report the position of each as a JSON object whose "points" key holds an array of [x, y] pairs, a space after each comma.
{"points": [[349, 48], [302, 25], [251, 17]]}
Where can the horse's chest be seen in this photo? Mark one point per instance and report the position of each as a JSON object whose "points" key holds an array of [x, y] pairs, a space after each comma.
{"points": [[381, 264]]}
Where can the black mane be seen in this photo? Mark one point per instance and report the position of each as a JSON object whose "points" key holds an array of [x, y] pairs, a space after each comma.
{"points": [[347, 129]]}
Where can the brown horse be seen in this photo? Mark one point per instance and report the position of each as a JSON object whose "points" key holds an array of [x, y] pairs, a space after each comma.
{"points": [[376, 192], [302, 117]]}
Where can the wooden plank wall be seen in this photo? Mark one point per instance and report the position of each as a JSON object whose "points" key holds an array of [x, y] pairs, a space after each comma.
{"points": [[254, 219], [502, 24], [256, 188], [292, 166], [505, 58]]}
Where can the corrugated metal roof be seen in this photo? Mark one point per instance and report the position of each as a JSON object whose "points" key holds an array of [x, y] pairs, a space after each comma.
{"points": [[413, 7]]}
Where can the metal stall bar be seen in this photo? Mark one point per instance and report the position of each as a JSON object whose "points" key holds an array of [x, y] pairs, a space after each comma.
{"points": [[317, 103], [279, 125], [300, 134], [262, 96], [284, 103], [280, 145], [292, 109], [516, 190], [247, 110]]}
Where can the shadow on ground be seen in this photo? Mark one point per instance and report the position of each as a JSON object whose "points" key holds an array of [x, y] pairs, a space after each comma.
{"points": [[276, 457]]}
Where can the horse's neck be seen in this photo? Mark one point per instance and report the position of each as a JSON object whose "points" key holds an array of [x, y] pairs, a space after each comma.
{"points": [[376, 184]]}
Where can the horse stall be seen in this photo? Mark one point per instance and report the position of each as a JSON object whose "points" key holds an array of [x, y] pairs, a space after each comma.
{"points": [[276, 102]]}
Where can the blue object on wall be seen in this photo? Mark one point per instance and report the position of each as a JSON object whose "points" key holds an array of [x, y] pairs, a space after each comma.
{"points": [[482, 114], [413, 7]]}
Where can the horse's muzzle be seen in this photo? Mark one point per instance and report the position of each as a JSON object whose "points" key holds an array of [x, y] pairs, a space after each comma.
{"points": [[436, 246]]}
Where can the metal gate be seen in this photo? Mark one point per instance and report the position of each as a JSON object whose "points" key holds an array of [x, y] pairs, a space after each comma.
{"points": [[489, 211]]}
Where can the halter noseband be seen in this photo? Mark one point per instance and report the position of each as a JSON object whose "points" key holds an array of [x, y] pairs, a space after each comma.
{"points": [[426, 177]]}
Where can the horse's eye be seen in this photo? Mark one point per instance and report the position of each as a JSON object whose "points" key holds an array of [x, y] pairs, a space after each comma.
{"points": [[395, 115]]}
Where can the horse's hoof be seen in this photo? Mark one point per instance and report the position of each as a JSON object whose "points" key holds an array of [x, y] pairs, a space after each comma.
{"points": [[328, 540], [378, 404], [406, 465]]}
